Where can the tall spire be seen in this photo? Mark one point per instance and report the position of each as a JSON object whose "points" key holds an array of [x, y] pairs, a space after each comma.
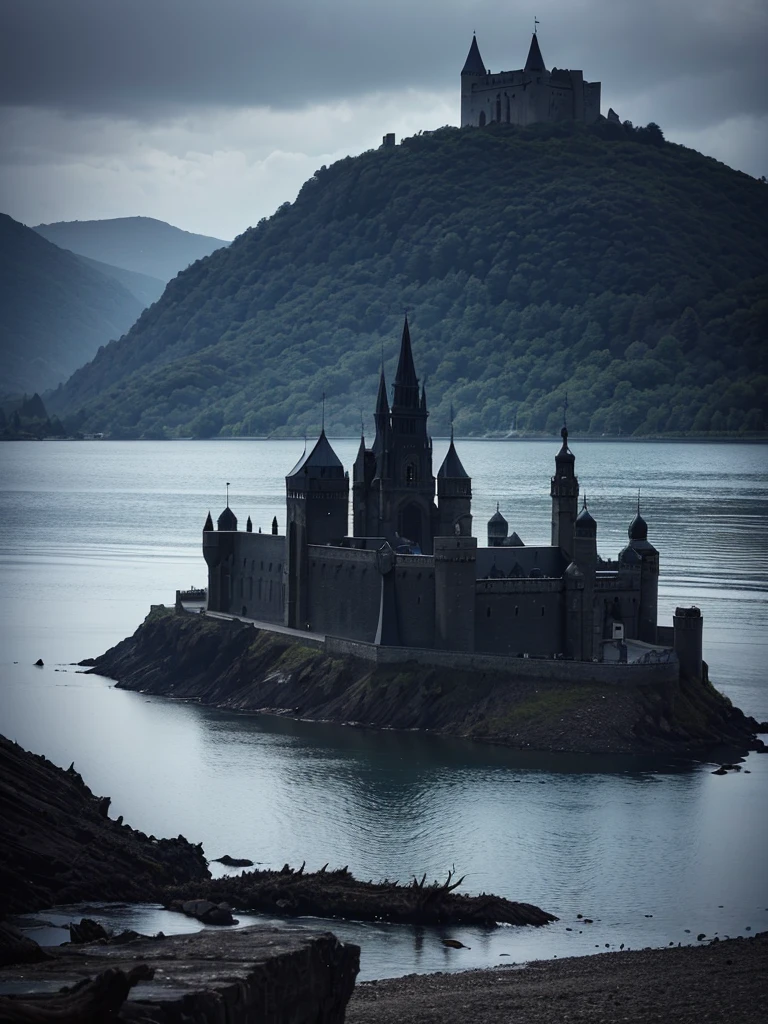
{"points": [[473, 65], [535, 61], [381, 416], [406, 381]]}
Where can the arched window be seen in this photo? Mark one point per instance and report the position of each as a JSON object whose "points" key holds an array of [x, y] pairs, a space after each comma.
{"points": [[498, 109], [482, 119], [411, 474]]}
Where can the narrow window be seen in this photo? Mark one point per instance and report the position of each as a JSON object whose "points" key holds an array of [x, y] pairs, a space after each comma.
{"points": [[482, 119]]}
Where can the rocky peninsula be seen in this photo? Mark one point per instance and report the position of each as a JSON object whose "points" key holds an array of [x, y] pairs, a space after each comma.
{"points": [[232, 665]]}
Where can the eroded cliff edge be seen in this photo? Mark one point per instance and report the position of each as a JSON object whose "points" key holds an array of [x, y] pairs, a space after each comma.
{"points": [[231, 665], [58, 845]]}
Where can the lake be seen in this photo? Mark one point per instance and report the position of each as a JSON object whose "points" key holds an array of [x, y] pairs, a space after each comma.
{"points": [[92, 533]]}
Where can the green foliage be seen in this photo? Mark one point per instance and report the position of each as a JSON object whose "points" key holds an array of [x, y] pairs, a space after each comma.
{"points": [[602, 260]]}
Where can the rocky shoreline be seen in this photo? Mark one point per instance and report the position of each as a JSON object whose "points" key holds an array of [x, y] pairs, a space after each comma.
{"points": [[231, 665], [724, 982]]}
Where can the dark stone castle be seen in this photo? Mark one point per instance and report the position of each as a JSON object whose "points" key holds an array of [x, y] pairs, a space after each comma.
{"points": [[412, 575]]}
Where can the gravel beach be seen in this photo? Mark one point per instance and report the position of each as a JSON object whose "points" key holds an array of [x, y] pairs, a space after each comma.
{"points": [[722, 983]]}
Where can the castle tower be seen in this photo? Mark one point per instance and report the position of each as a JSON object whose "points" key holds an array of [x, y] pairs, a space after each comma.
{"points": [[585, 557], [498, 529], [564, 490], [454, 496], [649, 577], [473, 70], [455, 585], [317, 502], [218, 551], [688, 626], [400, 501]]}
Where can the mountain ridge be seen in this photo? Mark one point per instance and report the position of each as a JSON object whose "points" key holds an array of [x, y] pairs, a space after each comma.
{"points": [[628, 271], [55, 310], [142, 245]]}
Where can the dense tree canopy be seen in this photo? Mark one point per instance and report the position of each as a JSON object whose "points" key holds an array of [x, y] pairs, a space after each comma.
{"points": [[603, 261]]}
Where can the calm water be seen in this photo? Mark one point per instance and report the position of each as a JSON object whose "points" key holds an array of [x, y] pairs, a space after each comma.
{"points": [[92, 533]]}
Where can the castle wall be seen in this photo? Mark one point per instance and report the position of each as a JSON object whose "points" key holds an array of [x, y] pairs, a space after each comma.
{"points": [[549, 669], [521, 98], [256, 576], [344, 591], [415, 596], [519, 616]]}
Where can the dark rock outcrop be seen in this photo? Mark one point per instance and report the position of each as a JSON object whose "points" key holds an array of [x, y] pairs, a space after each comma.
{"points": [[58, 846], [338, 894], [232, 665], [16, 948], [265, 974]]}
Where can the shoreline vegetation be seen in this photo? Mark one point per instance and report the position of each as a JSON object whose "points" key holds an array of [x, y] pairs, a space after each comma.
{"points": [[231, 665]]}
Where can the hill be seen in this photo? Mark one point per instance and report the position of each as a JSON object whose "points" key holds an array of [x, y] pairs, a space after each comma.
{"points": [[140, 244], [601, 260], [55, 311], [145, 288]]}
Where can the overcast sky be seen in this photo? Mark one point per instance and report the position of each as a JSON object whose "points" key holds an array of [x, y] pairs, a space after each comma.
{"points": [[210, 113]]}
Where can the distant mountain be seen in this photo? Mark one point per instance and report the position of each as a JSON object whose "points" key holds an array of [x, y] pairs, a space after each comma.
{"points": [[145, 288], [55, 311], [140, 244], [601, 261]]}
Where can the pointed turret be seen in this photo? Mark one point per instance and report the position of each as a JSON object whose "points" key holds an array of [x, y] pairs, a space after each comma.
{"points": [[473, 65], [406, 381], [227, 520], [535, 61], [452, 468], [381, 416], [249, 526], [208, 524]]}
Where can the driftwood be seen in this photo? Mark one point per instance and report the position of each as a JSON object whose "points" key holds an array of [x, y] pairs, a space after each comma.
{"points": [[91, 1001], [326, 893]]}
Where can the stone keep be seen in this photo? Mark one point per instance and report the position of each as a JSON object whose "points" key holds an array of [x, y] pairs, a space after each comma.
{"points": [[529, 96]]}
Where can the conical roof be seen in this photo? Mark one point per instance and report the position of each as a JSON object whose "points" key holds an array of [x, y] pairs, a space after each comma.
{"points": [[208, 523], [535, 61], [638, 528], [322, 456], [584, 518], [452, 466], [473, 65]]}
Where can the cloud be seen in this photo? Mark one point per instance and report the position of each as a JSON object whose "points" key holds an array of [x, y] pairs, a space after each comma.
{"points": [[212, 114], [149, 57], [213, 171]]}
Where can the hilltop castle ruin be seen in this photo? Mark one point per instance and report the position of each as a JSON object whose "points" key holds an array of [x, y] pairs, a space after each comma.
{"points": [[528, 96]]}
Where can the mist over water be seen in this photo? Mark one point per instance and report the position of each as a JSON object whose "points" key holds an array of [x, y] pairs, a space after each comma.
{"points": [[91, 534]]}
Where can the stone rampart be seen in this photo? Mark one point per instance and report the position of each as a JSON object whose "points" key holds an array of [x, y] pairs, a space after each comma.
{"points": [[550, 669]]}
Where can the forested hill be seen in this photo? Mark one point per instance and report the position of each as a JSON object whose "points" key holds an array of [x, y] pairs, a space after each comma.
{"points": [[601, 260], [55, 310]]}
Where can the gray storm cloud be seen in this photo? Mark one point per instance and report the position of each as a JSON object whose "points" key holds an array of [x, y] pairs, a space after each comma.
{"points": [[210, 113], [138, 57]]}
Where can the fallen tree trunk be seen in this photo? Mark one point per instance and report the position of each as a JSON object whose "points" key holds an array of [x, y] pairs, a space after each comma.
{"points": [[92, 1001], [294, 893]]}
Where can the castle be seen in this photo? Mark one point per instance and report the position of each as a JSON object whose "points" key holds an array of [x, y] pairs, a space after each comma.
{"points": [[529, 96], [412, 576]]}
